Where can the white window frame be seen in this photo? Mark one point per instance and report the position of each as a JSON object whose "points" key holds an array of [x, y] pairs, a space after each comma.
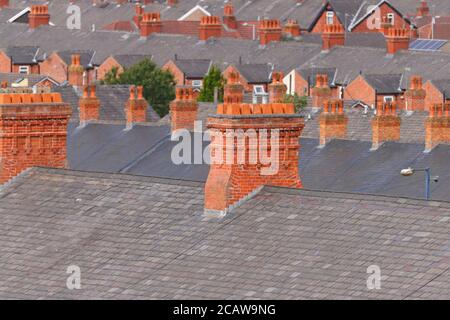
{"points": [[391, 18], [388, 99], [24, 69], [261, 88], [197, 83], [330, 15]]}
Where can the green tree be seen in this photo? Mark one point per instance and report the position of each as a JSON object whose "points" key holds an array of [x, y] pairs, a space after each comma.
{"points": [[299, 102], [159, 85], [212, 80]]}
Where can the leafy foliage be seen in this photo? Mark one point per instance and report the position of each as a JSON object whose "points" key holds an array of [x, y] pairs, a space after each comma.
{"points": [[299, 102], [212, 80], [159, 85]]}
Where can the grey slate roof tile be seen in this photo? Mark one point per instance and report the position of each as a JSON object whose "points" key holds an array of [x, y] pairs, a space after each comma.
{"points": [[260, 250]]}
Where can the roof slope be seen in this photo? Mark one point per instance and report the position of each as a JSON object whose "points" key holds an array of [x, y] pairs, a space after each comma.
{"points": [[147, 238], [385, 83], [23, 54], [193, 68], [255, 72]]}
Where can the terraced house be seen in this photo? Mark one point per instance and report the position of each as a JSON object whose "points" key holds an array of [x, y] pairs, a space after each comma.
{"points": [[343, 169]]}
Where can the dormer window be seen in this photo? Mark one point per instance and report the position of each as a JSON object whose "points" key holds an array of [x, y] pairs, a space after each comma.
{"points": [[330, 17]]}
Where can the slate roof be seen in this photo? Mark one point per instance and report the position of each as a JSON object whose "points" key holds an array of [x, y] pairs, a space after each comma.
{"points": [[385, 83], [255, 72], [146, 238], [351, 61], [310, 75], [86, 57], [193, 68], [284, 55], [23, 54], [443, 85], [128, 60]]}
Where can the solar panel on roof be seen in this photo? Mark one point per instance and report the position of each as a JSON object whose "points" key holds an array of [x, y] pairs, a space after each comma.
{"points": [[427, 44]]}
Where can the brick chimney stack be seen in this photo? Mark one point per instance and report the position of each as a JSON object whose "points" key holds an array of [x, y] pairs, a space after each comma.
{"points": [[333, 121], [138, 13], [89, 105], [269, 30], [244, 137], [210, 26], [33, 132], [277, 89], [136, 106], [423, 10], [437, 126], [385, 125], [183, 110], [38, 16], [233, 90], [397, 39], [333, 35], [75, 71], [228, 16], [292, 28], [150, 23], [415, 95], [4, 3], [321, 93]]}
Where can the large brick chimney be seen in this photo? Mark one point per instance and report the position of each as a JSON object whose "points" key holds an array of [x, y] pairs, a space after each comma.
{"points": [[138, 13], [33, 132], [397, 39], [423, 9], [333, 35], [333, 121], [269, 30], [38, 16], [229, 18], [277, 89], [89, 105], [136, 107], [415, 95], [233, 90], [75, 71], [243, 138], [321, 93], [437, 126], [4, 3], [150, 23], [210, 26], [385, 125], [183, 110]]}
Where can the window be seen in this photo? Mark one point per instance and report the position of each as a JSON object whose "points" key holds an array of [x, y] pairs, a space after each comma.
{"points": [[388, 99], [390, 18], [258, 90], [197, 83], [24, 69], [330, 17]]}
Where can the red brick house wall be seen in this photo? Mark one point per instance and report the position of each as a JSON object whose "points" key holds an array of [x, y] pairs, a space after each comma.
{"points": [[385, 9], [54, 67], [433, 96], [5, 63], [319, 26], [177, 73], [359, 89], [106, 66]]}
